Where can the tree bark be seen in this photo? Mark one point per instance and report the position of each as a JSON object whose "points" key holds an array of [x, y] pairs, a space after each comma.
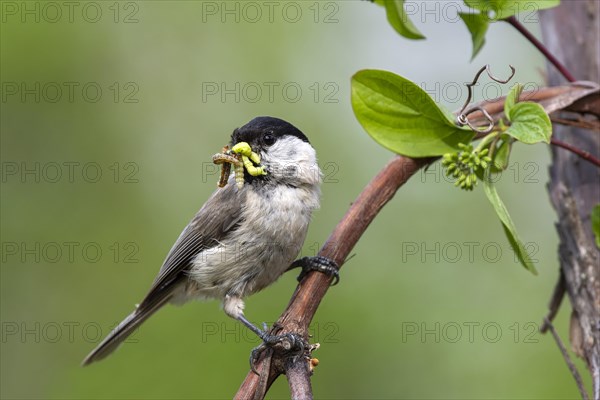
{"points": [[571, 33]]}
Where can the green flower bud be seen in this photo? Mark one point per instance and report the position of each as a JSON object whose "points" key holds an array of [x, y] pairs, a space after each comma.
{"points": [[465, 164]]}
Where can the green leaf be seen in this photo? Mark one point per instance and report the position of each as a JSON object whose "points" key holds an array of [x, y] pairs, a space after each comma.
{"points": [[398, 19], [505, 8], [507, 224], [595, 217], [478, 26], [402, 117], [501, 154], [530, 123], [512, 98]]}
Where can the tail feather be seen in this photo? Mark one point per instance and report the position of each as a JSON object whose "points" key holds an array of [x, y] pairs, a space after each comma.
{"points": [[124, 330]]}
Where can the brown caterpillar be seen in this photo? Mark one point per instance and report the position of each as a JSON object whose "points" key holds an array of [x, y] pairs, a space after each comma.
{"points": [[226, 159]]}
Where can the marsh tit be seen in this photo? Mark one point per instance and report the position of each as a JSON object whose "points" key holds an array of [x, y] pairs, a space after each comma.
{"points": [[244, 237]]}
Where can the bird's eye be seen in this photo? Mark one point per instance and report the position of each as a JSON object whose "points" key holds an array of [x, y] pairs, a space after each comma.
{"points": [[269, 139]]}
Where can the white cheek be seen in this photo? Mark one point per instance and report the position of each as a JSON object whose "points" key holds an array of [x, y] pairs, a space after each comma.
{"points": [[293, 159]]}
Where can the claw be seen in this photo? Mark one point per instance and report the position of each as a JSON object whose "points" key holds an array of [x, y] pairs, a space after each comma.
{"points": [[318, 263], [255, 355], [295, 344]]}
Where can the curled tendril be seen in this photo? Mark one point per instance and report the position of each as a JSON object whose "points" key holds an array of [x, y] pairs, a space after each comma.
{"points": [[463, 119]]}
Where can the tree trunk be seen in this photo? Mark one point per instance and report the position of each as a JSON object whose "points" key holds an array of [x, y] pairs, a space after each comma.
{"points": [[571, 33]]}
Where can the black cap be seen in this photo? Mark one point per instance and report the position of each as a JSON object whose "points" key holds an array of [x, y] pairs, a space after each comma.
{"points": [[263, 125]]}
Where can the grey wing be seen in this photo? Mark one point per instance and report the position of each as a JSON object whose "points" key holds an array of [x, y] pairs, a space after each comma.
{"points": [[221, 214]]}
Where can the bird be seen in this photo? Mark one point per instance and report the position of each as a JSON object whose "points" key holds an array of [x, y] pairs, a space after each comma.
{"points": [[245, 236]]}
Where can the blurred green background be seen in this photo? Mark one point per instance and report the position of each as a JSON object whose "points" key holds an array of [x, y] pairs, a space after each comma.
{"points": [[110, 112]]}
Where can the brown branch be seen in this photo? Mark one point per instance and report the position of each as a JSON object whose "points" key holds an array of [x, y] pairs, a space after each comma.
{"points": [[581, 153], [298, 376], [567, 358], [309, 293], [579, 97], [577, 123]]}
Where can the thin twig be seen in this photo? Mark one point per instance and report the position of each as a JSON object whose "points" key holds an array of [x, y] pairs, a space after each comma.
{"points": [[540, 46], [557, 296], [581, 153], [568, 360], [579, 123], [559, 143]]}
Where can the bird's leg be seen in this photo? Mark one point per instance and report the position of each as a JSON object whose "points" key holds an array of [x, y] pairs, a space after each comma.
{"points": [[266, 337], [318, 263], [291, 342]]}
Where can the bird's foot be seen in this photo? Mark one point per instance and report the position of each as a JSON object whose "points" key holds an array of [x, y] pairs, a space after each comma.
{"points": [[287, 343], [317, 263]]}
